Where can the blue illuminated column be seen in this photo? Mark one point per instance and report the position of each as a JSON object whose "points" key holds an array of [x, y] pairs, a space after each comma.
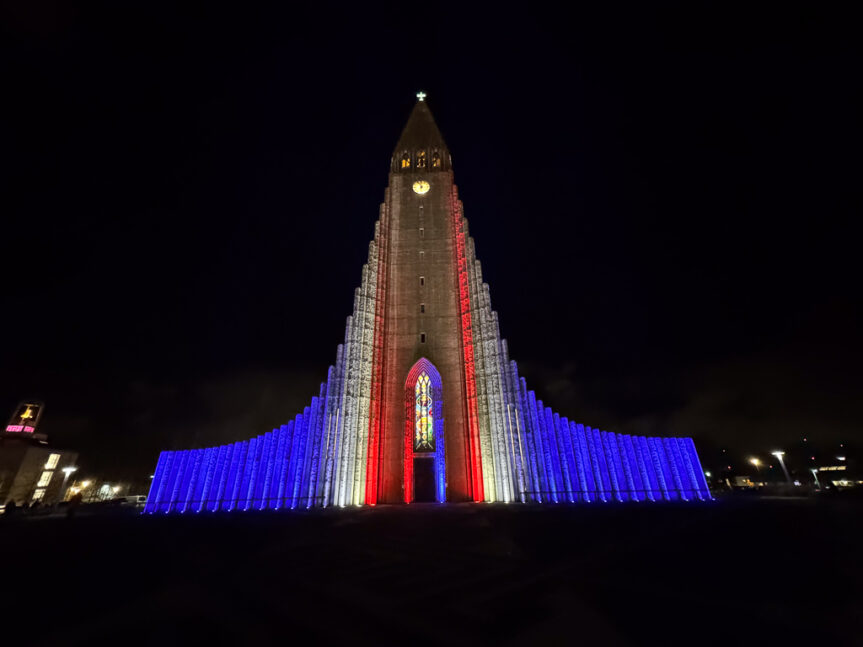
{"points": [[675, 463], [217, 490], [609, 446], [564, 446], [235, 477], [156, 484], [205, 478], [701, 481], [634, 476], [529, 442], [586, 475]]}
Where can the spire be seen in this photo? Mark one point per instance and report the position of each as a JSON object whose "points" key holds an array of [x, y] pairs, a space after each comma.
{"points": [[421, 134]]}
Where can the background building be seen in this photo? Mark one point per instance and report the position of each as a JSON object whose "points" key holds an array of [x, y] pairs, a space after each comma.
{"points": [[30, 470]]}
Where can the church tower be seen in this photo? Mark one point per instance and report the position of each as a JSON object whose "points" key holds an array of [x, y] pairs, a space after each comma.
{"points": [[424, 322], [423, 403]]}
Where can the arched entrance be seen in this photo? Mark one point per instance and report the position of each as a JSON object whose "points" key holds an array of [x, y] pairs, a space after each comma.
{"points": [[425, 451]]}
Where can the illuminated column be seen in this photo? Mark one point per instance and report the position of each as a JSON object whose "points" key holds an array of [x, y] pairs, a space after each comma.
{"points": [[238, 466], [597, 456], [220, 477], [277, 461], [542, 454], [532, 424], [347, 417], [610, 465], [285, 466], [675, 464], [659, 468], [308, 451], [564, 452], [630, 466], [333, 435], [559, 488], [701, 481], [205, 479], [497, 404], [270, 458], [586, 475], [310, 487], [156, 484], [301, 433], [243, 498], [264, 473], [517, 430], [514, 444], [646, 456]]}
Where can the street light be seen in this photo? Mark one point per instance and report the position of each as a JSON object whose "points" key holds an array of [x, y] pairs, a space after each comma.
{"points": [[779, 455], [66, 472], [815, 474]]}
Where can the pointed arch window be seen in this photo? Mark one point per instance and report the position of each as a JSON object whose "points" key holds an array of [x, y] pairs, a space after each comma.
{"points": [[436, 161], [406, 160], [421, 159], [424, 440]]}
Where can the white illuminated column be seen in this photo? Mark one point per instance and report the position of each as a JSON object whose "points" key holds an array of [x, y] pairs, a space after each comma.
{"points": [[66, 472], [779, 455]]}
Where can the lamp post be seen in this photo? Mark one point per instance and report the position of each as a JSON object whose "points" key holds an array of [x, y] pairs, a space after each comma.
{"points": [[779, 455], [66, 472], [815, 474], [757, 464]]}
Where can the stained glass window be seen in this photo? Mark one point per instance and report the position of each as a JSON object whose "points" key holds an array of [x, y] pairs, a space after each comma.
{"points": [[424, 427]]}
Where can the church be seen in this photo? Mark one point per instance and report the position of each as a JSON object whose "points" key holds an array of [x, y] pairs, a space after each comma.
{"points": [[423, 403]]}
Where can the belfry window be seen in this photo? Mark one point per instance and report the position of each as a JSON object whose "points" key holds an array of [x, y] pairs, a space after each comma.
{"points": [[406, 161], [421, 159], [436, 163], [424, 417]]}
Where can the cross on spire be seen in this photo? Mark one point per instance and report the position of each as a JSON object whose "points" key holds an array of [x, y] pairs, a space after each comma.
{"points": [[421, 95]]}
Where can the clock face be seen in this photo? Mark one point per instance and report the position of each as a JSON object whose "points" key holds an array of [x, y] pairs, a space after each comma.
{"points": [[421, 187]]}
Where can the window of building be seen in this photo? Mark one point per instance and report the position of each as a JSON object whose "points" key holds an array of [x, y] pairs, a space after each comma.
{"points": [[422, 307], [436, 161], [422, 280], [422, 256], [422, 338], [45, 479], [39, 494], [53, 459], [424, 419], [422, 232], [421, 159], [406, 161]]}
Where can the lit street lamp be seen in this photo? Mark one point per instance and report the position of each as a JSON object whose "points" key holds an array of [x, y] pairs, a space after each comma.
{"points": [[757, 464], [66, 472], [779, 455], [815, 474]]}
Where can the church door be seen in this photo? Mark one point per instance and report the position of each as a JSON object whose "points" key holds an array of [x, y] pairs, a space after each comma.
{"points": [[424, 480]]}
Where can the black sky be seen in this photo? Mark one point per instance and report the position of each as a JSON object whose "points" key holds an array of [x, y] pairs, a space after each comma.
{"points": [[664, 200]]}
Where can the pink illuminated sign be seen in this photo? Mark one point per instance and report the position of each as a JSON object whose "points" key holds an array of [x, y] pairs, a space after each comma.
{"points": [[26, 418], [25, 429]]}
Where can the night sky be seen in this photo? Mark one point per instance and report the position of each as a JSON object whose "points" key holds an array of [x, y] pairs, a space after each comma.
{"points": [[664, 201]]}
